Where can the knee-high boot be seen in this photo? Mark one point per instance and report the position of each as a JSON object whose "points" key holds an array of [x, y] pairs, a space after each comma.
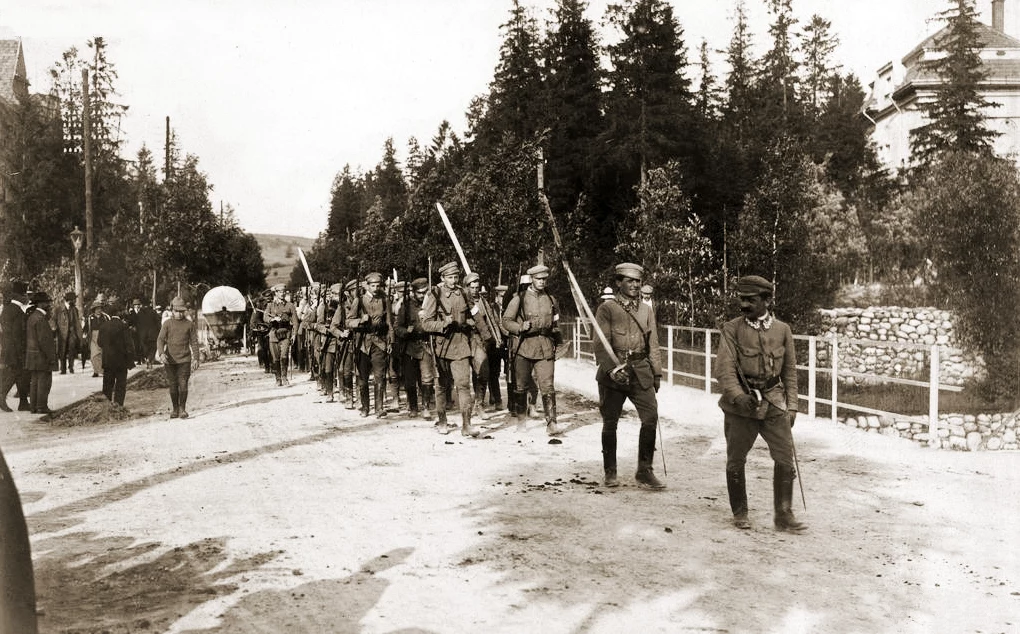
{"points": [[782, 492], [363, 394], [552, 428], [276, 371], [466, 401], [380, 399], [284, 363], [349, 392], [736, 487], [442, 424], [609, 458], [428, 401], [645, 476]]}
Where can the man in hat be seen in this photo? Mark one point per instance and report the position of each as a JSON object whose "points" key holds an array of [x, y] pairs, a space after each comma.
{"points": [[177, 347], [97, 317], [117, 343], [482, 336], [147, 323], [534, 317], [446, 314], [757, 373], [370, 317], [629, 327], [67, 323], [281, 318], [40, 352], [419, 369], [12, 347]]}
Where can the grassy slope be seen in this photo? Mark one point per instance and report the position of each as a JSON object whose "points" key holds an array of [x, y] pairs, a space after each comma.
{"points": [[280, 254]]}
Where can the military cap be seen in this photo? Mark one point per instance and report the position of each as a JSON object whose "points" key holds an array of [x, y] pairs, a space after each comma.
{"points": [[398, 287], [336, 288], [538, 271], [419, 283], [98, 303], [351, 285], [18, 287], [373, 277], [501, 288], [631, 270], [647, 290], [70, 296], [277, 288], [177, 303], [136, 302], [449, 268], [754, 285], [470, 277], [40, 297]]}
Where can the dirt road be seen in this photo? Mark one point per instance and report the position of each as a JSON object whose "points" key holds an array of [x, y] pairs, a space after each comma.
{"points": [[271, 511]]}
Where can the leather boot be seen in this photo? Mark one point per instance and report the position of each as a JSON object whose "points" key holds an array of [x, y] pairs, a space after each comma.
{"points": [[428, 401], [736, 486], [284, 363], [380, 400], [782, 491], [645, 476], [349, 393], [466, 428], [276, 371], [363, 397], [24, 405], [552, 428], [529, 403], [517, 404], [184, 403], [443, 426], [609, 458]]}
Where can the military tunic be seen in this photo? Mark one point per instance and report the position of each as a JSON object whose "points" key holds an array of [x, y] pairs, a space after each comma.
{"points": [[629, 325], [536, 347]]}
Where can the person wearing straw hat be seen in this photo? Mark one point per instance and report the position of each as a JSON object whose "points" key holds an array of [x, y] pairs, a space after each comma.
{"points": [[630, 329], [757, 373]]}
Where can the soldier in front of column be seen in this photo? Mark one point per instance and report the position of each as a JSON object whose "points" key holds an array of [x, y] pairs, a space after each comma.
{"points": [[446, 314], [533, 316], [629, 326], [757, 373], [369, 318], [419, 369], [281, 318]]}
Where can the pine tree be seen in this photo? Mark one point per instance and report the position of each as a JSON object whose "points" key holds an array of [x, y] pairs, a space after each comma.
{"points": [[956, 114], [817, 44]]}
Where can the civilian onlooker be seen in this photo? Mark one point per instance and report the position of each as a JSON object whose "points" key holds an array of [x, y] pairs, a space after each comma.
{"points": [[177, 347], [12, 347], [40, 352], [96, 318], [67, 323], [118, 348]]}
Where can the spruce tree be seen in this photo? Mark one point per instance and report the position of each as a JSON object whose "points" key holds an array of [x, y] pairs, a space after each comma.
{"points": [[956, 114]]}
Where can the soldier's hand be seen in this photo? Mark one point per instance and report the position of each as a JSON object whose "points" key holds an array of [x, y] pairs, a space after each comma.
{"points": [[657, 382], [619, 375], [792, 414], [469, 322], [525, 326], [746, 402]]}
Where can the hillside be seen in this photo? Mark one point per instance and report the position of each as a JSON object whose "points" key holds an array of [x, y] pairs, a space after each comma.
{"points": [[280, 255]]}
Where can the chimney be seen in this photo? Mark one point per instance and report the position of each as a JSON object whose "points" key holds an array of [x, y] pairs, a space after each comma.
{"points": [[998, 17]]}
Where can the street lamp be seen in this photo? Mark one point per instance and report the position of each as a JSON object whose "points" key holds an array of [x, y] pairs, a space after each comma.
{"points": [[76, 240]]}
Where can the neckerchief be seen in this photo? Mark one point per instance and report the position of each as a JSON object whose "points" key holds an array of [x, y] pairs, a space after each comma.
{"points": [[630, 305], [763, 323]]}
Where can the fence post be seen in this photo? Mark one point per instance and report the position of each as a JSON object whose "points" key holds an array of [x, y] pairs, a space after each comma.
{"points": [[708, 360], [835, 377], [933, 399], [577, 339], [669, 354], [812, 375]]}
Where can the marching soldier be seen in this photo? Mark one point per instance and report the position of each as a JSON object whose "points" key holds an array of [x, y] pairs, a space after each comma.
{"points": [[446, 315], [369, 318], [533, 316], [281, 318], [345, 352], [629, 326], [757, 372], [497, 349], [327, 345], [419, 369], [481, 337]]}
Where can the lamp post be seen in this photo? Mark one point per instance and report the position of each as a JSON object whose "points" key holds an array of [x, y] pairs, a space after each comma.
{"points": [[76, 240]]}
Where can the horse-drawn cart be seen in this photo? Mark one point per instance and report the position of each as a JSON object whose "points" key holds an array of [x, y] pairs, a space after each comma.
{"points": [[225, 310]]}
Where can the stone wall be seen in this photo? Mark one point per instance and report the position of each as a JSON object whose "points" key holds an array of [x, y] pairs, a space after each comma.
{"points": [[956, 431], [921, 326]]}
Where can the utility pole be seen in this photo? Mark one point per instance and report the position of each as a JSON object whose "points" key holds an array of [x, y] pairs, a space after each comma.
{"points": [[166, 157], [86, 107]]}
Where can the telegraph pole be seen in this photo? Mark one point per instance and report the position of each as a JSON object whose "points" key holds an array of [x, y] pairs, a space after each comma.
{"points": [[86, 107]]}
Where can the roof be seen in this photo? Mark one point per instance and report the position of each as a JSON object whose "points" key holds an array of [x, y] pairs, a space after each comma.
{"points": [[988, 37], [13, 77]]}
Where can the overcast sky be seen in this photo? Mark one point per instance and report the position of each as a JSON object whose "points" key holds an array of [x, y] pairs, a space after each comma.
{"points": [[275, 96]]}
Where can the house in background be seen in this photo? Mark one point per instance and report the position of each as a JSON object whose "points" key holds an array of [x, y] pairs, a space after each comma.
{"points": [[899, 90]]}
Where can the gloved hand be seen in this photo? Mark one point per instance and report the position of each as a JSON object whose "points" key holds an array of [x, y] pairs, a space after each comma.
{"points": [[657, 382], [792, 414], [746, 402]]}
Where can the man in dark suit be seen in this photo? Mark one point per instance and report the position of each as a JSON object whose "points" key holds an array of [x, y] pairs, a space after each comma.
{"points": [[116, 341], [67, 323], [40, 352], [147, 323], [12, 347]]}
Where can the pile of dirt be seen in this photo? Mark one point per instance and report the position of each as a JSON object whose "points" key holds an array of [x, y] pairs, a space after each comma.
{"points": [[154, 379], [94, 410]]}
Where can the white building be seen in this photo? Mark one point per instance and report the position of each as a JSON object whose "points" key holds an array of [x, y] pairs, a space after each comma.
{"points": [[900, 88]]}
